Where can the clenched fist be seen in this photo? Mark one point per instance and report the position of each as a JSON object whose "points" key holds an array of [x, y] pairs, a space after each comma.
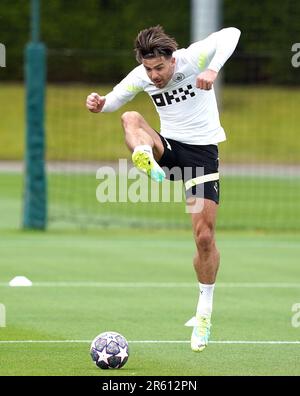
{"points": [[206, 79], [95, 102]]}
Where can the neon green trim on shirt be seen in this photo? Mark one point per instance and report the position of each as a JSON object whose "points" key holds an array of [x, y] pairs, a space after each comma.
{"points": [[202, 61], [133, 89]]}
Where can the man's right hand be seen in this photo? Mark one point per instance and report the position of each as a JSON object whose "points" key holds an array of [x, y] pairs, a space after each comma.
{"points": [[95, 102]]}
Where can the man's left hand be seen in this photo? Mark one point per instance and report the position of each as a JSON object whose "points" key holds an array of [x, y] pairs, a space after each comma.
{"points": [[206, 79]]}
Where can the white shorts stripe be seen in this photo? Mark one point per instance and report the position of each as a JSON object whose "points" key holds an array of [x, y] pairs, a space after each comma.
{"points": [[201, 179]]}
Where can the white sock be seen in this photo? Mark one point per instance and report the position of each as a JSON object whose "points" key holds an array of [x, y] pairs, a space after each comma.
{"points": [[205, 302], [144, 147]]}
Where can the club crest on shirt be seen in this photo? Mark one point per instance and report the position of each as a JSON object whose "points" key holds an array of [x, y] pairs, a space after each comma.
{"points": [[178, 77]]}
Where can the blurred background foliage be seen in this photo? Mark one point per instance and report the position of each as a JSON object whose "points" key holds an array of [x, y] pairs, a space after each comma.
{"points": [[96, 36]]}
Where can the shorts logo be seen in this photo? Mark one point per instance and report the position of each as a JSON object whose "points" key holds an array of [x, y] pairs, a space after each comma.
{"points": [[176, 96], [168, 144], [216, 187]]}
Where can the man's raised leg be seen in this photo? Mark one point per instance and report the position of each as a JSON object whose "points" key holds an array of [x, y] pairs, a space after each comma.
{"points": [[144, 143]]}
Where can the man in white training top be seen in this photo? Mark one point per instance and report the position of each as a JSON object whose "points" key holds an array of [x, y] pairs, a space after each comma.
{"points": [[180, 83]]}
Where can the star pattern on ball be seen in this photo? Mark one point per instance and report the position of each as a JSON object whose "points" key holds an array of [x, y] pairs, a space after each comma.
{"points": [[103, 356], [123, 352]]}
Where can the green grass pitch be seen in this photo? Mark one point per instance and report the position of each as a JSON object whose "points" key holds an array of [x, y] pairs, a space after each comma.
{"points": [[141, 283]]}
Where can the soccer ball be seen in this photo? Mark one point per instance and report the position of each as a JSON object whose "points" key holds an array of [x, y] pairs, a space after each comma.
{"points": [[109, 350]]}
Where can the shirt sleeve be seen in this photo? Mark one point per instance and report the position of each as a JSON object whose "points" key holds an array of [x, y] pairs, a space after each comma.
{"points": [[213, 52], [124, 91]]}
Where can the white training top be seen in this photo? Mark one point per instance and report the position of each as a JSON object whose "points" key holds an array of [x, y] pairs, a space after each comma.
{"points": [[187, 114]]}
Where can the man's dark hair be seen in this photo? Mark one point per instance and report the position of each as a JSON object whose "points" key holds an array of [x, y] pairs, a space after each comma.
{"points": [[154, 42]]}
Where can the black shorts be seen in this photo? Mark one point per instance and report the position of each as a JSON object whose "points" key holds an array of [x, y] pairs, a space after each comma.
{"points": [[196, 165]]}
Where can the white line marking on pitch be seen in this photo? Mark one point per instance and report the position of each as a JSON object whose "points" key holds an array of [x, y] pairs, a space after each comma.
{"points": [[145, 342], [159, 284]]}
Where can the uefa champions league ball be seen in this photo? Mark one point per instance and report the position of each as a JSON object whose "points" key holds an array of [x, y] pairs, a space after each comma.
{"points": [[109, 350]]}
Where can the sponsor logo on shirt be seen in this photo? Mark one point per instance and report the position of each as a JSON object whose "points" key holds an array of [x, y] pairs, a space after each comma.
{"points": [[176, 96]]}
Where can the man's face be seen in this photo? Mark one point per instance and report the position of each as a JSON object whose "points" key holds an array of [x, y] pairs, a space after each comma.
{"points": [[160, 70]]}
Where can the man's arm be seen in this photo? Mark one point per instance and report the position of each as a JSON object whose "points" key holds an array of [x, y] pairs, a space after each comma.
{"points": [[96, 103], [121, 94], [225, 43], [211, 54]]}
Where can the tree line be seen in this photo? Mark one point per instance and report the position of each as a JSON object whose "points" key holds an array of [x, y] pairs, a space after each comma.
{"points": [[92, 40]]}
